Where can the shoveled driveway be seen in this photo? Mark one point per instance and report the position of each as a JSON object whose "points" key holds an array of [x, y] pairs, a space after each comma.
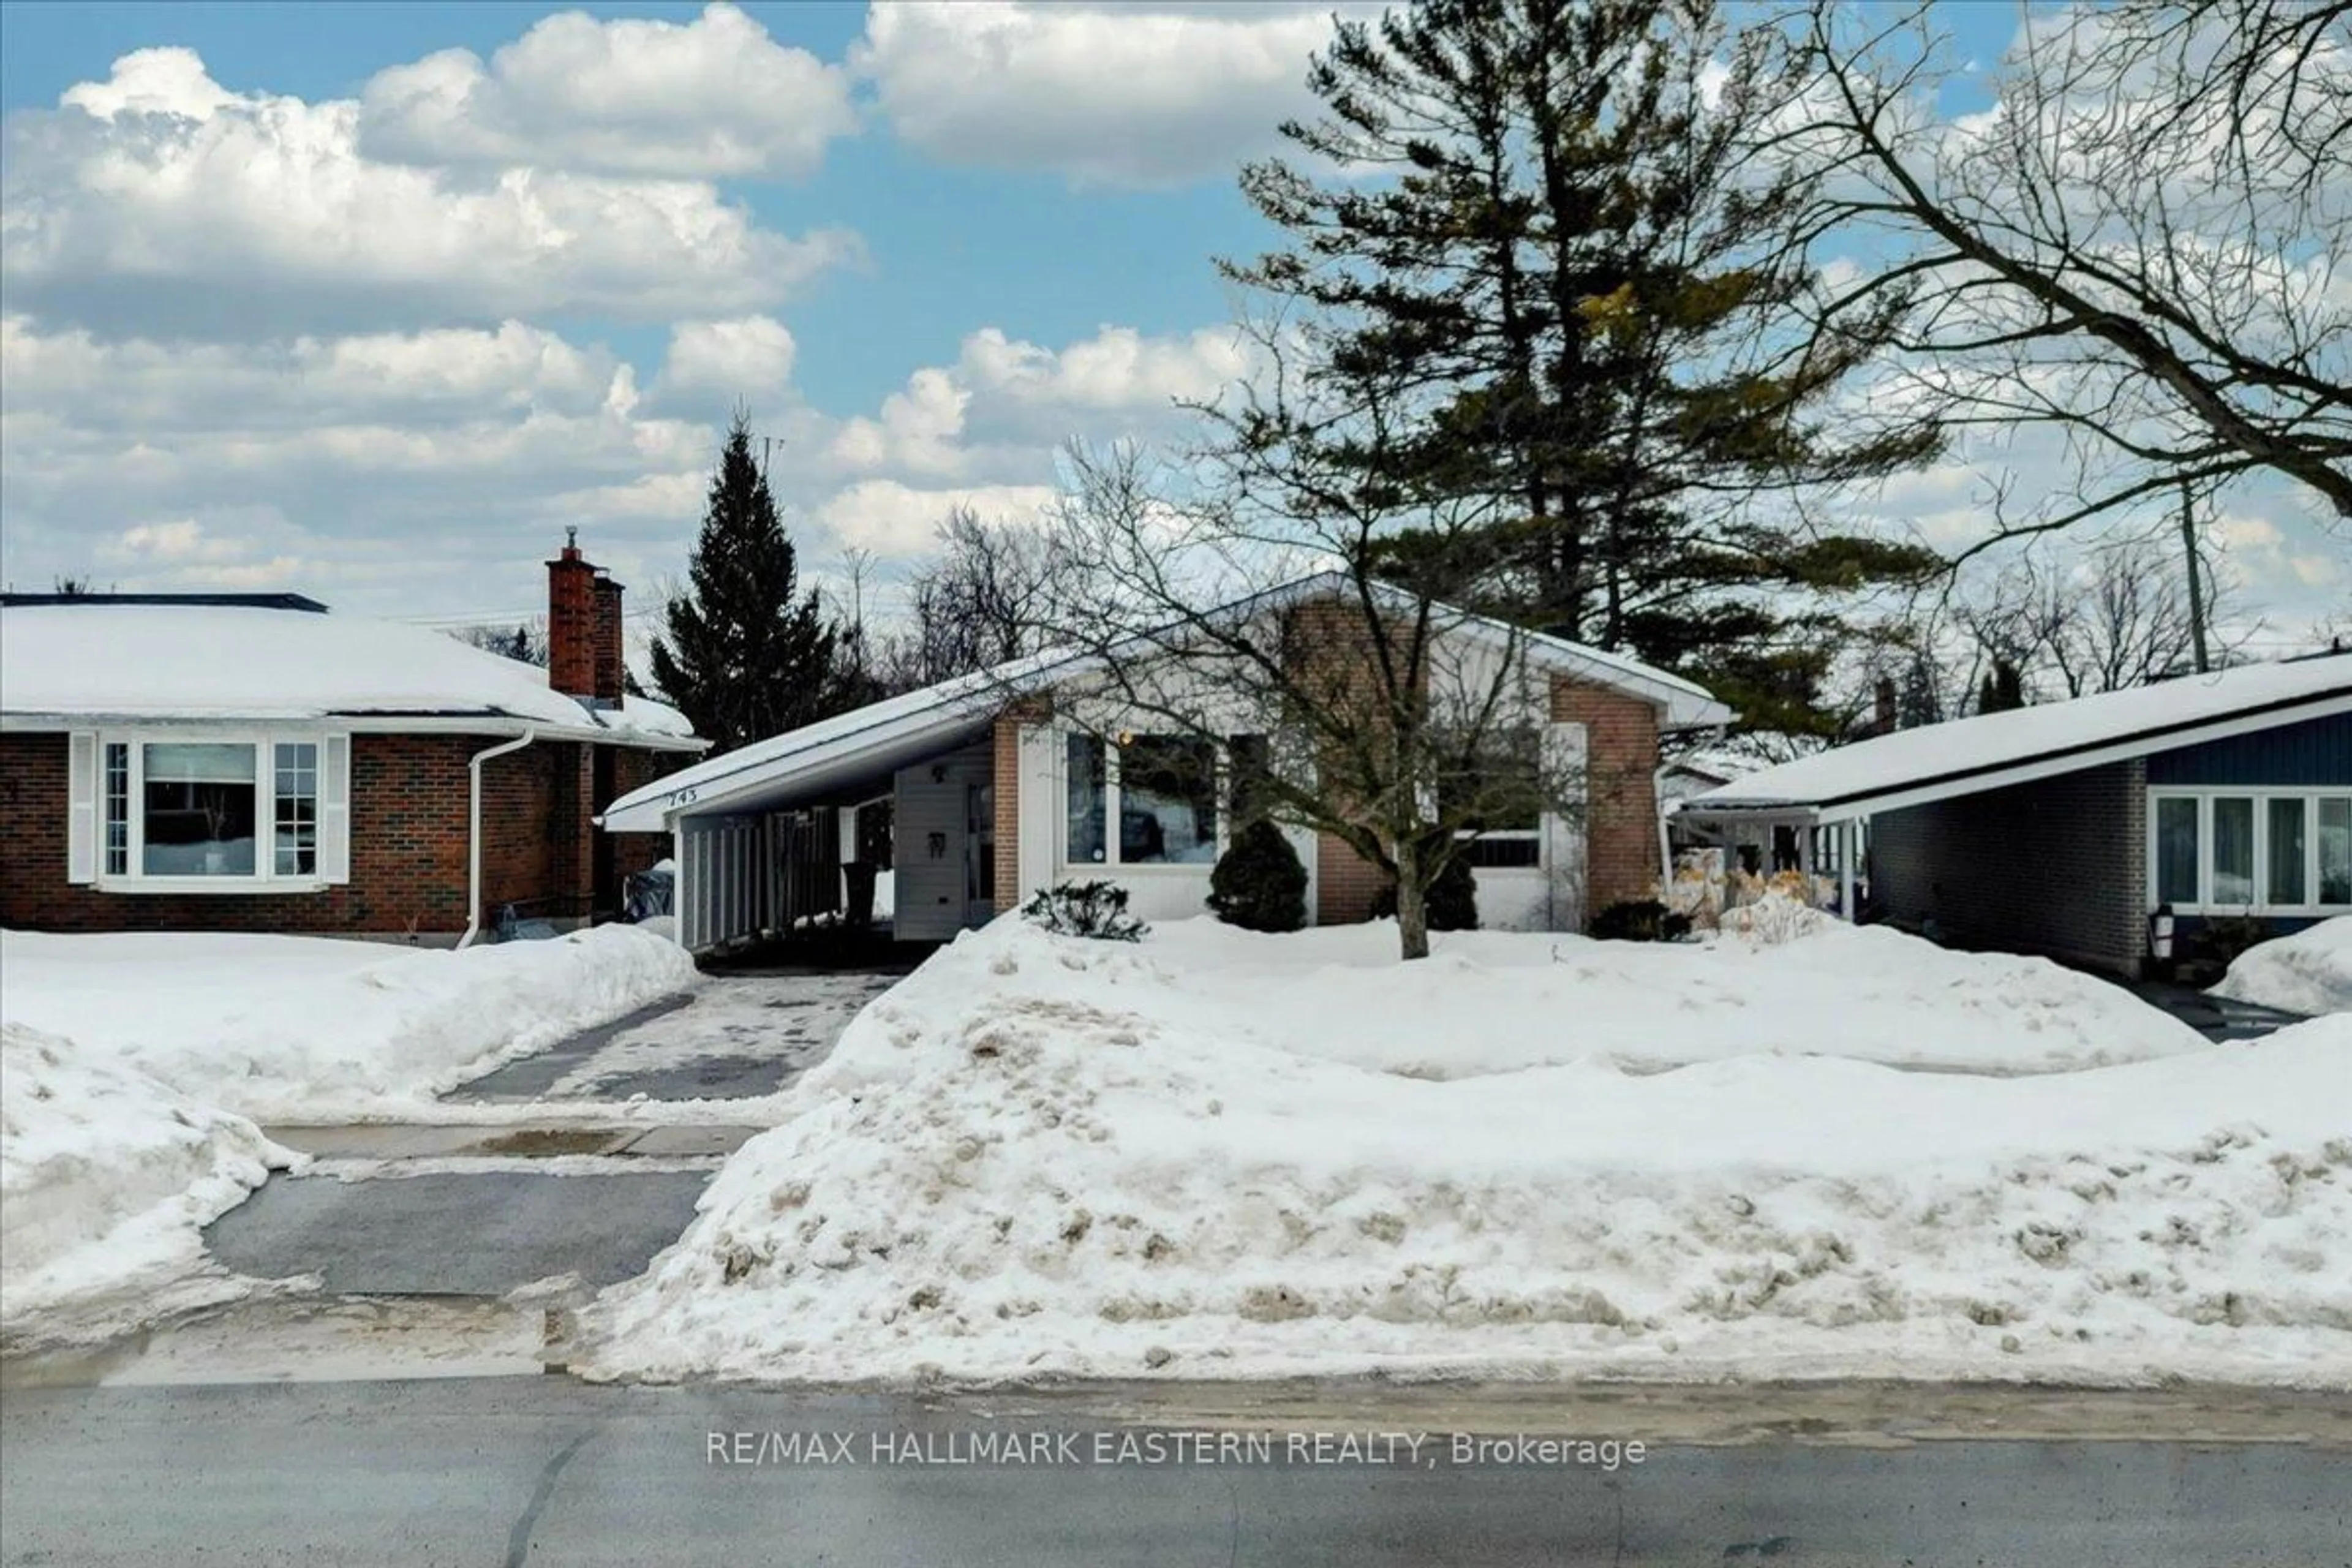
{"points": [[2216, 1018], [464, 1208]]}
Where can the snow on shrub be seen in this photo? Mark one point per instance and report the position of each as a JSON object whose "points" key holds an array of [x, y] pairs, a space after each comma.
{"points": [[1775, 917], [1095, 910]]}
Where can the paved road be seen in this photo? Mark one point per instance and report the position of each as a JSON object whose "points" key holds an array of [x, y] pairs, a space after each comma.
{"points": [[457, 1234], [543, 1470]]}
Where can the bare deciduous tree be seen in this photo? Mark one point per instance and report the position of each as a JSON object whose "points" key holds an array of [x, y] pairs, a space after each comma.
{"points": [[977, 604], [2141, 246], [2116, 615], [1377, 714]]}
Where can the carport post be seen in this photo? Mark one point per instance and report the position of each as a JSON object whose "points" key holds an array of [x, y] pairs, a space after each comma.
{"points": [[1845, 869]]}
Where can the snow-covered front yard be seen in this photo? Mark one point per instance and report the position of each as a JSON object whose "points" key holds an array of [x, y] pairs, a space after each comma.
{"points": [[1216, 1155], [2308, 972], [136, 1067]]}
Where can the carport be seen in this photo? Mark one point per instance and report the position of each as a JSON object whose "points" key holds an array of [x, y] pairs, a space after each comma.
{"points": [[762, 836]]}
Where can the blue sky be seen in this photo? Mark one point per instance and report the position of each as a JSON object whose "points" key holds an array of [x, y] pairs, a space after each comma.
{"points": [[299, 297]]}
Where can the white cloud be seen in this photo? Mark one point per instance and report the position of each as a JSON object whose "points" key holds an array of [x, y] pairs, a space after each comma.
{"points": [[1004, 396], [747, 359], [897, 521], [433, 470], [713, 98], [1129, 96], [157, 202]]}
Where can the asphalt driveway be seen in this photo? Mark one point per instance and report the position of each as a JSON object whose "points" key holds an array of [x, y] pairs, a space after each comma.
{"points": [[477, 1207]]}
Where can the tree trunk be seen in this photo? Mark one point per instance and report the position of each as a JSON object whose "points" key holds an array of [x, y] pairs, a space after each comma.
{"points": [[1412, 904]]}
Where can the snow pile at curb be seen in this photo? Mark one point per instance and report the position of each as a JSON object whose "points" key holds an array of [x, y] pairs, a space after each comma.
{"points": [[106, 1176], [1029, 1161], [2309, 972], [292, 1028]]}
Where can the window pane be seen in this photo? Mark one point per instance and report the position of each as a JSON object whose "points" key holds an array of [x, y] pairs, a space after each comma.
{"points": [[197, 817], [1168, 801], [1517, 849], [2233, 851], [297, 807], [2175, 851], [118, 809], [2336, 849], [2285, 856], [208, 762], [1085, 790], [1500, 790]]}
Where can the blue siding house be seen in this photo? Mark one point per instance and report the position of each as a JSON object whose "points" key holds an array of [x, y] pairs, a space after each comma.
{"points": [[2067, 828]]}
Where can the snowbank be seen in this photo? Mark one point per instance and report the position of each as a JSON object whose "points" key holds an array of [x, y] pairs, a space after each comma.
{"points": [[2309, 972], [306, 1028], [106, 1176], [1502, 1001], [1041, 1157]]}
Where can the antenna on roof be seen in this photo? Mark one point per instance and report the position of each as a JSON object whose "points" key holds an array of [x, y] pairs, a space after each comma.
{"points": [[572, 537]]}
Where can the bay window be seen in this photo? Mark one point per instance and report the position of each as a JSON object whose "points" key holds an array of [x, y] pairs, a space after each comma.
{"points": [[196, 812], [2260, 850]]}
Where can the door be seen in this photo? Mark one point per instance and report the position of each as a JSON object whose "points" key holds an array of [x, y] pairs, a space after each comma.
{"points": [[980, 850]]}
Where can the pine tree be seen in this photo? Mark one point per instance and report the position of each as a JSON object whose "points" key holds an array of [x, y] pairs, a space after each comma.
{"points": [[1592, 287], [2002, 689], [747, 654]]}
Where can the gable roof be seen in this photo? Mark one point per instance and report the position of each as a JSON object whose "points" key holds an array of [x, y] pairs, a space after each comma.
{"points": [[897, 731], [71, 662], [1963, 756]]}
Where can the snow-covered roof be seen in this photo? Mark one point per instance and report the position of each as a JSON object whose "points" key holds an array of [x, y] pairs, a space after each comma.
{"points": [[803, 763], [73, 663], [1967, 755]]}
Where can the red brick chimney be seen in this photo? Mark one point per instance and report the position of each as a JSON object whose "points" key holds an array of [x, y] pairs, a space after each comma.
{"points": [[609, 664], [571, 618]]}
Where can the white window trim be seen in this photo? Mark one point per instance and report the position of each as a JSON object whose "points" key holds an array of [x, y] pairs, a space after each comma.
{"points": [[1113, 800], [2261, 794], [265, 878]]}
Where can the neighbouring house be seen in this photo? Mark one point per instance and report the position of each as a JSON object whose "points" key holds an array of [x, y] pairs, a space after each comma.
{"points": [[2065, 829], [252, 762], [999, 784]]}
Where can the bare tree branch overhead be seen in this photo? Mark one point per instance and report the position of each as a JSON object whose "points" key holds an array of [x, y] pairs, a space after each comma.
{"points": [[2144, 245]]}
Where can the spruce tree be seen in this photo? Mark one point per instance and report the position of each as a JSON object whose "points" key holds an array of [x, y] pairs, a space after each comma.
{"points": [[1592, 283], [747, 654]]}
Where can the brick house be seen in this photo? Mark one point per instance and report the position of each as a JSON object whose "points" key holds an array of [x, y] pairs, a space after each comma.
{"points": [[992, 797], [254, 763], [2064, 829]]}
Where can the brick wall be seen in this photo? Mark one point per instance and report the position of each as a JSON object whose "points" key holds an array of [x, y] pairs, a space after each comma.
{"points": [[632, 769], [408, 812], [1345, 882], [2056, 867], [1621, 827], [1006, 799]]}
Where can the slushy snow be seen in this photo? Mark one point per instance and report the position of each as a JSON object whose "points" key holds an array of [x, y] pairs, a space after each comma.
{"points": [[2309, 972], [1216, 1155]]}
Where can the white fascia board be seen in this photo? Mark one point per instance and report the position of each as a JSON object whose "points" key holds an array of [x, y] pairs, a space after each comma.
{"points": [[356, 723], [2027, 772]]}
